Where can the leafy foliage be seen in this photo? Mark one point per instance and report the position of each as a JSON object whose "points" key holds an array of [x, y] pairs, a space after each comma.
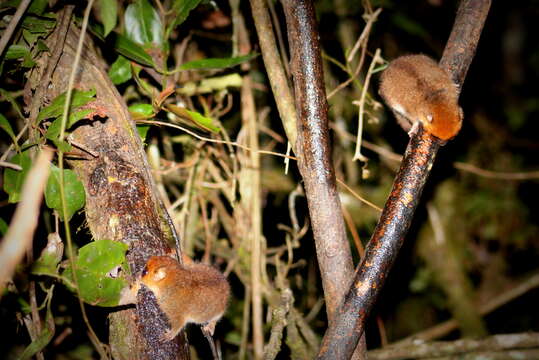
{"points": [[181, 9], [124, 46], [108, 10], [120, 71], [75, 196], [5, 125], [14, 179], [56, 108], [142, 23], [96, 269], [216, 63]]}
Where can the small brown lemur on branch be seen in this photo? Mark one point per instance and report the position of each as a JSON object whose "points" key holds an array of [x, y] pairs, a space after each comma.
{"points": [[187, 293], [418, 91]]}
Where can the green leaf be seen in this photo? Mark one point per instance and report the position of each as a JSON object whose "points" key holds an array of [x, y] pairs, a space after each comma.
{"points": [[142, 111], [7, 96], [143, 131], [28, 61], [62, 146], [203, 121], [95, 267], [216, 63], [120, 70], [75, 116], [47, 263], [24, 305], [16, 51], [145, 110], [37, 345], [41, 46], [123, 46], [181, 9], [143, 84], [74, 192], [198, 119], [142, 23], [208, 85], [56, 108], [14, 179], [53, 131], [38, 6], [38, 25], [131, 50], [6, 126], [3, 227], [29, 37], [108, 10]]}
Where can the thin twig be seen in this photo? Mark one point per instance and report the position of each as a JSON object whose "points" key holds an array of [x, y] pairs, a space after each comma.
{"points": [[252, 204], [359, 197], [245, 323], [523, 175], [21, 230], [364, 35], [371, 18], [280, 38], [353, 231], [11, 146], [376, 59], [10, 165], [462, 166], [275, 69], [278, 324], [216, 141]]}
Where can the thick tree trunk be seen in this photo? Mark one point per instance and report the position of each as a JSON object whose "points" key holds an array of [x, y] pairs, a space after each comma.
{"points": [[121, 201]]}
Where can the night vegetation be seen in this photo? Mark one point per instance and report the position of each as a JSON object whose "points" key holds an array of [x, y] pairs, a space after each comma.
{"points": [[179, 107]]}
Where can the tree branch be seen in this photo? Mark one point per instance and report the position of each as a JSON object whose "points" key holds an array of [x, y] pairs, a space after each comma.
{"points": [[314, 154], [343, 334], [496, 343], [122, 203], [274, 67]]}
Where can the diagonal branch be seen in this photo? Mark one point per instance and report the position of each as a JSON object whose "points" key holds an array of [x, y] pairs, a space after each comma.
{"points": [[343, 334]]}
